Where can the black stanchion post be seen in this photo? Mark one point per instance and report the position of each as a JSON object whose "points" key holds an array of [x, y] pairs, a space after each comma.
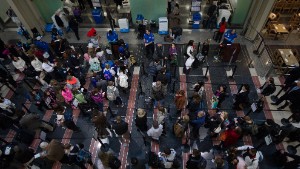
{"points": [[206, 72], [11, 88], [27, 83], [275, 98], [234, 70], [23, 105]]}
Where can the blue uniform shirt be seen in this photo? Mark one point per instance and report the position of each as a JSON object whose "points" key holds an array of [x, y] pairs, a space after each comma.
{"points": [[149, 38], [112, 37], [230, 37]]}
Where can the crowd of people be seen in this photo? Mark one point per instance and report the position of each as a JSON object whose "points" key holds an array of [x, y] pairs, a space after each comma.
{"points": [[62, 70]]}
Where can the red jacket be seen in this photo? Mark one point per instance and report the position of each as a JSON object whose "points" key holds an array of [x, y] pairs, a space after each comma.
{"points": [[222, 27], [231, 138]]}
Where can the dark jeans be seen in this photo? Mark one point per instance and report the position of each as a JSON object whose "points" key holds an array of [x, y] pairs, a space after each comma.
{"points": [[75, 30], [112, 23], [118, 101], [219, 36], [149, 50]]}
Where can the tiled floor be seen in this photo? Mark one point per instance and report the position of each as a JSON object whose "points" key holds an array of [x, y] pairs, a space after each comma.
{"points": [[217, 75]]}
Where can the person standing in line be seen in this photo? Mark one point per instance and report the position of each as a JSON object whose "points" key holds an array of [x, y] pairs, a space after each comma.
{"points": [[149, 43], [74, 26], [121, 129], [111, 19], [222, 28]]}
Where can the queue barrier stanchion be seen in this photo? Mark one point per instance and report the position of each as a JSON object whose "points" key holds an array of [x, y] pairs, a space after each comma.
{"points": [[274, 98]]}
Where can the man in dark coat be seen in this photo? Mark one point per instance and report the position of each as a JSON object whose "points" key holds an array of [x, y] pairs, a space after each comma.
{"points": [[74, 26], [121, 128], [293, 95]]}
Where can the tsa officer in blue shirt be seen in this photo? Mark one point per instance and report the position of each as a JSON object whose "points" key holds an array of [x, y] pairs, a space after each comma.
{"points": [[229, 36], [112, 36], [149, 43]]}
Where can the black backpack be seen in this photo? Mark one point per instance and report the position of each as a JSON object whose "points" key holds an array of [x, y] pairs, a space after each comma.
{"points": [[196, 164], [114, 163], [153, 160]]}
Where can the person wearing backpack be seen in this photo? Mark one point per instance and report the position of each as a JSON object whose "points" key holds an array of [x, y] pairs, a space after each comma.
{"points": [[123, 81], [94, 64], [121, 129], [108, 73], [113, 95], [98, 97], [196, 161], [180, 126]]}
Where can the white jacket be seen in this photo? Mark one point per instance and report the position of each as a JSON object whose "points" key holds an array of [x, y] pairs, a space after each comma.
{"points": [[37, 65], [190, 50], [251, 163], [19, 64], [168, 160], [155, 133]]}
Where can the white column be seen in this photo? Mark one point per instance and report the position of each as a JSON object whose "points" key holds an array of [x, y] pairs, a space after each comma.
{"points": [[258, 16]]}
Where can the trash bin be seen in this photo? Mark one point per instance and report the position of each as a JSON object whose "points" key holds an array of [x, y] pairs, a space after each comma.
{"points": [[196, 19], [97, 15]]}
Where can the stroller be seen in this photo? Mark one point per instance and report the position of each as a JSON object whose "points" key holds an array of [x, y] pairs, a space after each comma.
{"points": [[141, 31]]}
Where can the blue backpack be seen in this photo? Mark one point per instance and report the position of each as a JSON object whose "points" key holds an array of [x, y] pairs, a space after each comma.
{"points": [[68, 115], [107, 75], [83, 155]]}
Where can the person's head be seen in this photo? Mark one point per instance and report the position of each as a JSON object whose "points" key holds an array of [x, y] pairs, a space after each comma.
{"points": [[238, 130], [80, 145], [107, 66], [156, 60], [224, 115], [223, 19], [196, 98], [163, 70], [246, 87], [173, 45], [248, 119], [191, 43], [181, 92], [43, 145], [118, 119], [271, 80], [201, 113], [162, 109], [110, 83], [252, 151], [141, 112], [15, 58], [233, 31], [148, 31], [110, 32], [134, 161], [167, 151], [158, 83], [219, 162], [196, 152], [186, 118]]}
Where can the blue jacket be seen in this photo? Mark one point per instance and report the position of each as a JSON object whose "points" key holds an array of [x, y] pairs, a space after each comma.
{"points": [[112, 37], [149, 38], [198, 122], [230, 37]]}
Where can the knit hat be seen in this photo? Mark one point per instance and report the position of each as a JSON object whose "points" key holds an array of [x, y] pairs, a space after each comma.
{"points": [[71, 80], [43, 145]]}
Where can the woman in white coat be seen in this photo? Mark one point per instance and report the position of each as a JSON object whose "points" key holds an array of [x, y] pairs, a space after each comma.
{"points": [[189, 55]]}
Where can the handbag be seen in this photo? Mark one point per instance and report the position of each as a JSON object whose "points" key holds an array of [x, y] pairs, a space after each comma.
{"points": [[218, 129]]}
